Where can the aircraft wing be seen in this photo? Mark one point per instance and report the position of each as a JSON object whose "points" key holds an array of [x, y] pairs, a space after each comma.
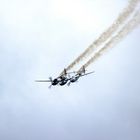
{"points": [[88, 73], [42, 81]]}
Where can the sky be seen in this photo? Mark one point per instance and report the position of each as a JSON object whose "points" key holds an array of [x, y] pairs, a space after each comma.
{"points": [[38, 39]]}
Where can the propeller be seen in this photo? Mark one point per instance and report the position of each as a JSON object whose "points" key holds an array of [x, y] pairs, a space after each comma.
{"points": [[50, 86], [69, 83], [51, 79]]}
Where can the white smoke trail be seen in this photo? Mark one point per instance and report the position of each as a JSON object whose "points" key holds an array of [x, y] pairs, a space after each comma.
{"points": [[108, 33], [132, 24]]}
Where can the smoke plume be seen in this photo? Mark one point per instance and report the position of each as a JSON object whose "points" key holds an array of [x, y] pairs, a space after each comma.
{"points": [[122, 18]]}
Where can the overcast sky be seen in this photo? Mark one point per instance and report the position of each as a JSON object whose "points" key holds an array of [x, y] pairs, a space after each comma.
{"points": [[38, 38]]}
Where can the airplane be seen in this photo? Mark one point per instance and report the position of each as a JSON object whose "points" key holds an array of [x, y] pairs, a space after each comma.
{"points": [[60, 80], [79, 74], [65, 77]]}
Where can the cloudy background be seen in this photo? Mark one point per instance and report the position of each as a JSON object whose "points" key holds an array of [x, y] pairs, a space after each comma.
{"points": [[38, 38]]}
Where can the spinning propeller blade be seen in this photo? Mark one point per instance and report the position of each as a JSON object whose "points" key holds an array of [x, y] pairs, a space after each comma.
{"points": [[69, 83], [50, 86], [51, 79]]}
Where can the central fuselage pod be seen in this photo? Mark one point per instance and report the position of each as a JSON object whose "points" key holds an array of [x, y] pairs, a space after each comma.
{"points": [[55, 82], [63, 81]]}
